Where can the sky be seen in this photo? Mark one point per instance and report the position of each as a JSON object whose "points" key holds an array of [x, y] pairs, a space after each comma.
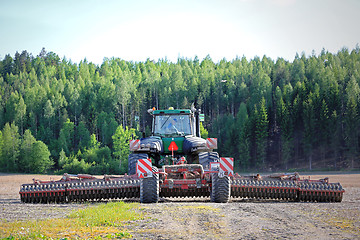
{"points": [[168, 29]]}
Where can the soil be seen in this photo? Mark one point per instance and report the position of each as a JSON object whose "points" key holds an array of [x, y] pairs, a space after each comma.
{"points": [[201, 219]]}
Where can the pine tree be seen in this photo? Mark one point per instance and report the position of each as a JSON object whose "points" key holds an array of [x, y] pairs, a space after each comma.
{"points": [[261, 133], [352, 120], [242, 127]]}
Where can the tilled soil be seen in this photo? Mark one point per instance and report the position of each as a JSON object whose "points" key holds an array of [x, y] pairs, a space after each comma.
{"points": [[201, 219]]}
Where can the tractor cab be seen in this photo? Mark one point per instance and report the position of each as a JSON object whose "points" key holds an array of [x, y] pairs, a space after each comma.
{"points": [[175, 137], [173, 123]]}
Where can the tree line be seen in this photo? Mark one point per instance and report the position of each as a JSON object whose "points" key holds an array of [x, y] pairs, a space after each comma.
{"points": [[269, 115]]}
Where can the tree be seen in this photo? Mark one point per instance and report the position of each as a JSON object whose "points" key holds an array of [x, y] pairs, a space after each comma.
{"points": [[1, 150], [7, 66], [286, 135], [15, 109], [40, 155], [203, 132], [324, 130], [242, 127], [21, 112], [311, 106], [10, 148], [63, 159], [261, 133], [49, 112], [82, 136], [352, 120], [310, 130], [26, 149], [121, 140], [66, 137], [351, 131]]}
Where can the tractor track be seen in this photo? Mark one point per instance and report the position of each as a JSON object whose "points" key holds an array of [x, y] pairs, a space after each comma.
{"points": [[197, 218]]}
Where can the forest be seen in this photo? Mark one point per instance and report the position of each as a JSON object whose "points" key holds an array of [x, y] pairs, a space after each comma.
{"points": [[59, 116]]}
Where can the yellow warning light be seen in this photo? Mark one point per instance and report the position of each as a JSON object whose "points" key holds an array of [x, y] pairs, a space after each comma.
{"points": [[171, 108]]}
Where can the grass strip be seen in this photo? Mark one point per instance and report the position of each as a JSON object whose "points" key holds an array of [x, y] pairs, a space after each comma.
{"points": [[106, 220]]}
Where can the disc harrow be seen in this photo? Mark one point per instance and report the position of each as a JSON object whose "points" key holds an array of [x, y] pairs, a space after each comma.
{"points": [[80, 188], [286, 187]]}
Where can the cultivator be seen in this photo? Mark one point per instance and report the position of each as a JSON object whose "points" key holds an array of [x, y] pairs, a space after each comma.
{"points": [[78, 188], [179, 182], [286, 187], [188, 168]]}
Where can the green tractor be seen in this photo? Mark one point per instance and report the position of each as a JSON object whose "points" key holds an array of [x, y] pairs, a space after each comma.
{"points": [[189, 166], [175, 139]]}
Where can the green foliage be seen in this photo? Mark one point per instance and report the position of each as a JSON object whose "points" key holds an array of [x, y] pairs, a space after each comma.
{"points": [[63, 159], [265, 113], [261, 133], [121, 140], [76, 166], [82, 136], [243, 142], [66, 137], [23, 153], [26, 150], [203, 132], [40, 155], [10, 148]]}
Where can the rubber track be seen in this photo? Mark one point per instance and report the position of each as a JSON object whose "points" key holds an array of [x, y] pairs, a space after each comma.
{"points": [[79, 191], [287, 190]]}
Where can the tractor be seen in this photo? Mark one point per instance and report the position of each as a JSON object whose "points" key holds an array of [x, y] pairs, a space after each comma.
{"points": [[187, 161]]}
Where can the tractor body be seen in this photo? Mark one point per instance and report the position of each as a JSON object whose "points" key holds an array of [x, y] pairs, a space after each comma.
{"points": [[175, 138]]}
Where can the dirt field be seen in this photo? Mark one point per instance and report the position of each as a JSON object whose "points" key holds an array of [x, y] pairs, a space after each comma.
{"points": [[200, 219]]}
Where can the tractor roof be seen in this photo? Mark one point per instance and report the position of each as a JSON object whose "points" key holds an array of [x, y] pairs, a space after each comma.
{"points": [[173, 111]]}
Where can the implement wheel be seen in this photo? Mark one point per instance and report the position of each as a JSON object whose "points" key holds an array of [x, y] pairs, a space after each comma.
{"points": [[220, 189], [149, 188]]}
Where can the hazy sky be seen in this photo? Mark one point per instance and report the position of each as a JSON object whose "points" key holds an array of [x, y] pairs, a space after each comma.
{"points": [[137, 30]]}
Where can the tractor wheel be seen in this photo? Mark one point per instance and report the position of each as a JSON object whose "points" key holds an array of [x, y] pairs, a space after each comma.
{"points": [[149, 188], [207, 157], [132, 160], [220, 188], [192, 158]]}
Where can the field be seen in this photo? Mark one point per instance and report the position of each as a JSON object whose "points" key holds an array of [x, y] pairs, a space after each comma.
{"points": [[183, 218]]}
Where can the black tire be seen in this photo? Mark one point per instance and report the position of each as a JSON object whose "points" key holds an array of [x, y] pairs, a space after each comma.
{"points": [[132, 160], [149, 188], [220, 189], [192, 142], [207, 157], [192, 158]]}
